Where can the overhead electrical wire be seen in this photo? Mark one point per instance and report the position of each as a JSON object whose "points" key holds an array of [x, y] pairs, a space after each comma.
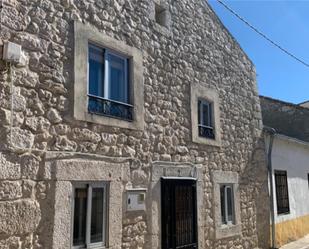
{"points": [[262, 34]]}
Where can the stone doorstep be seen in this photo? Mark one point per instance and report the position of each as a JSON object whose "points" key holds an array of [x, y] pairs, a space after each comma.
{"points": [[298, 244]]}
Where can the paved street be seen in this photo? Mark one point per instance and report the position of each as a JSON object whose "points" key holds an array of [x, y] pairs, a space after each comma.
{"points": [[299, 244]]}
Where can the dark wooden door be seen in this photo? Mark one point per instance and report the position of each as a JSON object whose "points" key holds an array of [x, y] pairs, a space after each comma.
{"points": [[179, 226]]}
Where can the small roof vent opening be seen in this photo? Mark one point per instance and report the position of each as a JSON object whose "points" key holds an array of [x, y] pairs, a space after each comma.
{"points": [[161, 15]]}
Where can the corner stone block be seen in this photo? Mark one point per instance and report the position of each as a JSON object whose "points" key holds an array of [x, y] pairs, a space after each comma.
{"points": [[19, 217], [8, 168], [10, 190], [22, 138], [10, 243], [29, 166]]}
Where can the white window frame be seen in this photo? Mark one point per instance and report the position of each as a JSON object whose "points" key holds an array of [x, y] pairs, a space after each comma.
{"points": [[226, 216], [89, 186], [106, 78]]}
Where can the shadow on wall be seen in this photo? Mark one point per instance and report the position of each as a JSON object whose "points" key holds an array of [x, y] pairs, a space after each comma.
{"points": [[254, 184]]}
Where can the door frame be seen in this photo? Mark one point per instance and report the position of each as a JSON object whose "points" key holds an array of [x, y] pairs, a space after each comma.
{"points": [[173, 170]]}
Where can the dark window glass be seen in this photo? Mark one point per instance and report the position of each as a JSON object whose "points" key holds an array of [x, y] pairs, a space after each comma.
{"points": [[118, 82], [222, 201], [282, 192], [97, 215], [229, 197], [96, 71], [80, 214], [206, 114]]}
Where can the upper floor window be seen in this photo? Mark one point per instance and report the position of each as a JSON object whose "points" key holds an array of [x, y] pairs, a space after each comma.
{"points": [[205, 115], [282, 192], [108, 83], [89, 215], [108, 80], [205, 119], [227, 204]]}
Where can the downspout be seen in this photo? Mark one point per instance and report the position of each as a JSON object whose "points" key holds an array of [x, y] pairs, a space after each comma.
{"points": [[272, 133]]}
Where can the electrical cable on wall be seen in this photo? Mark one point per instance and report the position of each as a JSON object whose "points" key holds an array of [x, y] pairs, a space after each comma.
{"points": [[262, 34]]}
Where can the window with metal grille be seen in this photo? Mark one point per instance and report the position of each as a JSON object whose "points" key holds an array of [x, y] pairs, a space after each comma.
{"points": [[89, 215], [108, 83], [205, 119], [282, 192]]}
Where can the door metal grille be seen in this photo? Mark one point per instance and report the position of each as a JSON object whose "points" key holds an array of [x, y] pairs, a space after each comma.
{"points": [[179, 226]]}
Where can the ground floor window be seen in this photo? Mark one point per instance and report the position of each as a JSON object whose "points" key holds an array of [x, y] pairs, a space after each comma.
{"points": [[227, 204], [89, 215], [179, 214], [282, 192]]}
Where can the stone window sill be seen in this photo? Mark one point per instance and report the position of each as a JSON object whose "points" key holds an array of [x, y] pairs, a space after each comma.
{"points": [[226, 231], [207, 141]]}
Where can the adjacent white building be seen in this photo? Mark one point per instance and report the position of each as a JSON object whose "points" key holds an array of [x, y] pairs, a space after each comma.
{"points": [[290, 168]]}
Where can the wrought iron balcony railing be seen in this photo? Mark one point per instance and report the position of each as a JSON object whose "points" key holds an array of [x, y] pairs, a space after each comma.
{"points": [[206, 131], [111, 108]]}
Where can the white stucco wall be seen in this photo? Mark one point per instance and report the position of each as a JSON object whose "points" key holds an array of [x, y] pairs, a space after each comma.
{"points": [[292, 156]]}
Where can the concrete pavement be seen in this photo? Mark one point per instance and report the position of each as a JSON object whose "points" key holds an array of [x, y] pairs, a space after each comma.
{"points": [[299, 244]]}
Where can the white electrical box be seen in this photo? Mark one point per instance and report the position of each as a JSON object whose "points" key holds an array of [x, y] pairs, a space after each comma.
{"points": [[136, 199], [12, 52]]}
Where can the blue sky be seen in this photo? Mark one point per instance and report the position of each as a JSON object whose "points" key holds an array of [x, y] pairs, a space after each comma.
{"points": [[286, 22]]}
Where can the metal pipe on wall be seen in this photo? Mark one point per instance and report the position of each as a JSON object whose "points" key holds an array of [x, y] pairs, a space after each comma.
{"points": [[272, 133]]}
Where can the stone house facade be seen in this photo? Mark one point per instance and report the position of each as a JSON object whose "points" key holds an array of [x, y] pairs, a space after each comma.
{"points": [[128, 124]]}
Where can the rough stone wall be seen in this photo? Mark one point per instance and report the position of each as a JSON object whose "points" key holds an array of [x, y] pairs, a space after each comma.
{"points": [[198, 49]]}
